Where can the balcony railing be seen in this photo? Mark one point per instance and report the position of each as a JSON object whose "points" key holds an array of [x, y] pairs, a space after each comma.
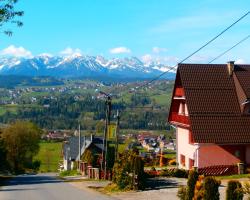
{"points": [[175, 117]]}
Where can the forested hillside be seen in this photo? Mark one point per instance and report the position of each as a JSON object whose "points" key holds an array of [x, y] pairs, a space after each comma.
{"points": [[65, 107]]}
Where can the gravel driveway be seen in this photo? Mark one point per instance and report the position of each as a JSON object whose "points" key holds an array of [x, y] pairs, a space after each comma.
{"points": [[160, 189]]}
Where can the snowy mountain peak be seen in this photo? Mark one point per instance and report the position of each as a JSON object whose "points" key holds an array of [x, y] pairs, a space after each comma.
{"points": [[79, 65]]}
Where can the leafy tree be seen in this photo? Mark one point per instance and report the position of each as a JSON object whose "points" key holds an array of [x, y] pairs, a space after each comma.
{"points": [[88, 157], [211, 188], [182, 192], [3, 161], [192, 178], [21, 141], [8, 14], [234, 191], [129, 171], [246, 189], [100, 127]]}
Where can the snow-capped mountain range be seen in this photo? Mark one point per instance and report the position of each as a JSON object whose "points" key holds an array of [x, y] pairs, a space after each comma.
{"points": [[81, 66]]}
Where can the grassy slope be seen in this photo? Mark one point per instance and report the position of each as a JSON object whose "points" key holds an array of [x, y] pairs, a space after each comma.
{"points": [[50, 156], [10, 108]]}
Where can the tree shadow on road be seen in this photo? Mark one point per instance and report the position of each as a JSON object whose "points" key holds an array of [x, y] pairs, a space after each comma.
{"points": [[32, 179], [161, 183], [17, 189]]}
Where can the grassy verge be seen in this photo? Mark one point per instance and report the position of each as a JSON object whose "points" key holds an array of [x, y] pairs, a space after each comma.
{"points": [[49, 155], [111, 188], [69, 173], [236, 176]]}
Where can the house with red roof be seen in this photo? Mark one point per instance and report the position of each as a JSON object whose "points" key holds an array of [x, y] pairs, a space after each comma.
{"points": [[210, 109]]}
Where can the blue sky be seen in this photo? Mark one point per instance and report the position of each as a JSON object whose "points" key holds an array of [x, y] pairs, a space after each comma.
{"points": [[161, 30]]}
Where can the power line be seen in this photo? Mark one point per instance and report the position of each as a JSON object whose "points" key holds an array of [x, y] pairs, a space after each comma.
{"points": [[190, 55], [222, 54], [206, 44]]}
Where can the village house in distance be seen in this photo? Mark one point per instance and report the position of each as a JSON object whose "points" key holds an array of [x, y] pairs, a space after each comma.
{"points": [[210, 109]]}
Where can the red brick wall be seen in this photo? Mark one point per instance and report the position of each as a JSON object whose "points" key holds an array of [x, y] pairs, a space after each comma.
{"points": [[210, 155]]}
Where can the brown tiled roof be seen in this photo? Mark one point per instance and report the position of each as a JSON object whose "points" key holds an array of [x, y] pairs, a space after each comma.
{"points": [[242, 72], [213, 104]]}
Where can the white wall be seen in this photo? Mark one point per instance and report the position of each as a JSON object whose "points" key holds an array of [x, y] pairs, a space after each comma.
{"points": [[65, 164], [184, 148]]}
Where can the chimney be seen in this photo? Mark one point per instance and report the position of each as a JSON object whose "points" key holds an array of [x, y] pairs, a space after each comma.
{"points": [[230, 67]]}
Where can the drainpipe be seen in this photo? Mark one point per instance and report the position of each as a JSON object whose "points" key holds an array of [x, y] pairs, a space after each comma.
{"points": [[196, 157]]}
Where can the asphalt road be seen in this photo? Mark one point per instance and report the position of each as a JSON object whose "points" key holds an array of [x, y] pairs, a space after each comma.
{"points": [[45, 187]]}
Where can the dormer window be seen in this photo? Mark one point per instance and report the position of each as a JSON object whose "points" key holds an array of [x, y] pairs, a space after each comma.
{"points": [[186, 110], [181, 109], [246, 105]]}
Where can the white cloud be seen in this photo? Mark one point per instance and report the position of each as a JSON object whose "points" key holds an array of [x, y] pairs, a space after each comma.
{"points": [[46, 55], [240, 61], [16, 52], [71, 52], [158, 50], [169, 60], [200, 59], [120, 50]]}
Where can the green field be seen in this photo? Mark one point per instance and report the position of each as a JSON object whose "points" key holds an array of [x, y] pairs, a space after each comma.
{"points": [[13, 108], [162, 99], [50, 156], [10, 108]]}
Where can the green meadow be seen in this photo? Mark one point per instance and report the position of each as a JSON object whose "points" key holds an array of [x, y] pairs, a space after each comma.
{"points": [[50, 154]]}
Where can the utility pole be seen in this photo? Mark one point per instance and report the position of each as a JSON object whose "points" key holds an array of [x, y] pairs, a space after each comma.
{"points": [[79, 160], [105, 139], [117, 135]]}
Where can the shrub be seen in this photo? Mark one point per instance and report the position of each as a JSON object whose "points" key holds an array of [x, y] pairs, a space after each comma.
{"points": [[192, 178], [248, 170], [182, 193], [211, 188], [166, 172], [36, 165], [199, 190], [129, 171], [180, 173], [247, 189], [149, 174], [172, 162], [153, 169], [234, 191]]}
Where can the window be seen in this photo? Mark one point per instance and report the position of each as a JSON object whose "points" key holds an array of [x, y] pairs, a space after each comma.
{"points": [[186, 110], [246, 108], [191, 163], [183, 160], [237, 153], [182, 109]]}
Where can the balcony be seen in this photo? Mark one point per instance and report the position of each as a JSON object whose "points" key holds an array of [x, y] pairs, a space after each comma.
{"points": [[182, 119]]}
